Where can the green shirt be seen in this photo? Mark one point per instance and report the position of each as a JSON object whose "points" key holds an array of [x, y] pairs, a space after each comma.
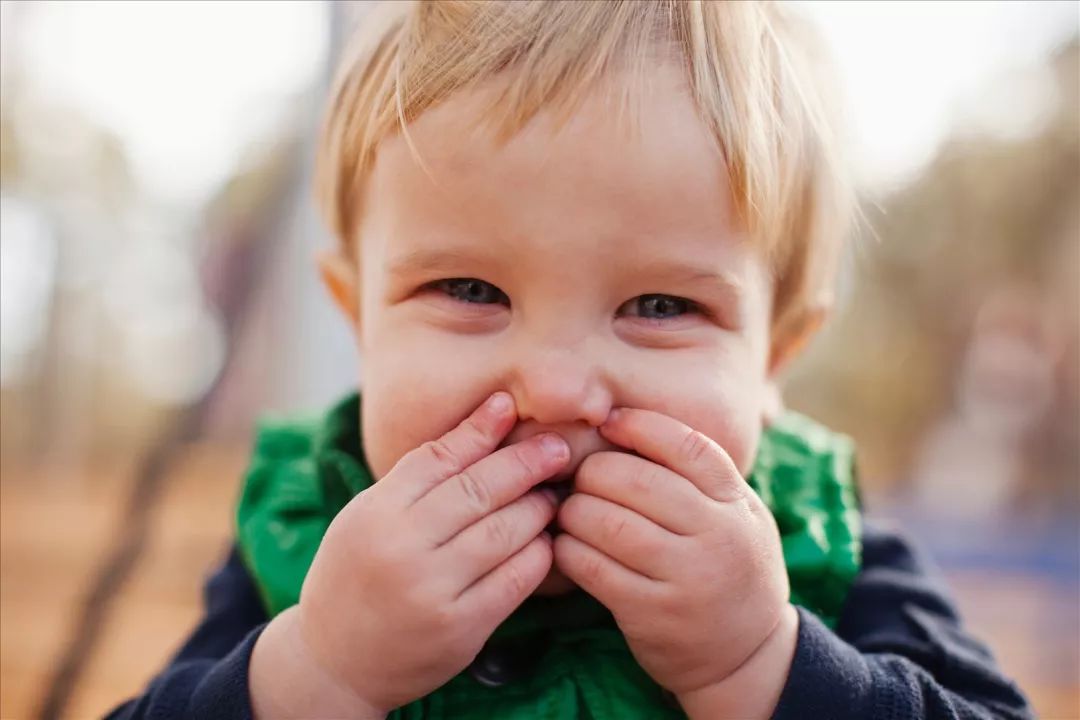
{"points": [[305, 471]]}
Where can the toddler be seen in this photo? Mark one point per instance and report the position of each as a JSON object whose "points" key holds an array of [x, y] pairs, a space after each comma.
{"points": [[577, 243]]}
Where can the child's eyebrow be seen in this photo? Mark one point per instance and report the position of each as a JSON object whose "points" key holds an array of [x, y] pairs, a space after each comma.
{"points": [[691, 274], [432, 261], [422, 262]]}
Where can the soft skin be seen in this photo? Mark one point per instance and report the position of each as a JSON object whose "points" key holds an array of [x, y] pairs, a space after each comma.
{"points": [[686, 556], [580, 271], [573, 227]]}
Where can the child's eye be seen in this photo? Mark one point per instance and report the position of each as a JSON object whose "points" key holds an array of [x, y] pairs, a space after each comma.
{"points": [[471, 290], [658, 307]]}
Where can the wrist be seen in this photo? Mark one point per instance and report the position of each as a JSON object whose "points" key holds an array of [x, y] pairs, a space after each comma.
{"points": [[285, 681], [753, 689]]}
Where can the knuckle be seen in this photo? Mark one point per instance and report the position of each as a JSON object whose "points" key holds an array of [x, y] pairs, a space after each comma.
{"points": [[444, 619], [540, 508], [614, 525], [475, 491], [517, 585], [388, 560], [642, 478], [391, 564], [727, 486], [695, 446], [417, 600], [443, 454], [592, 570], [477, 433], [498, 533], [670, 605], [474, 428], [525, 459]]}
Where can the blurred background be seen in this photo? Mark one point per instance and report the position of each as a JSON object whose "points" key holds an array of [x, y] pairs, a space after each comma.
{"points": [[157, 294]]}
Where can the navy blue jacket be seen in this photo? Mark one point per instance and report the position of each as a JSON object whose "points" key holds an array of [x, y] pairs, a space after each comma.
{"points": [[899, 652]]}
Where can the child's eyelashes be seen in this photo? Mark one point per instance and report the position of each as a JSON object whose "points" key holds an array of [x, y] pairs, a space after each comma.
{"points": [[471, 290], [653, 308], [656, 306]]}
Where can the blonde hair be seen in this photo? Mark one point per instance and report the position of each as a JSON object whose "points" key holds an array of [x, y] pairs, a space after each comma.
{"points": [[754, 69]]}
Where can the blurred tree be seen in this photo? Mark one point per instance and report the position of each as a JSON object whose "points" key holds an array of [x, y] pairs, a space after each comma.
{"points": [[987, 214]]}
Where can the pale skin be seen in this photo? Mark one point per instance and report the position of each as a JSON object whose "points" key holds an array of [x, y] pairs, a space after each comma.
{"points": [[598, 286]]}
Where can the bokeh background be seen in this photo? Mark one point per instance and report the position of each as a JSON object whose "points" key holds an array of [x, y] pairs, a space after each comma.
{"points": [[158, 294]]}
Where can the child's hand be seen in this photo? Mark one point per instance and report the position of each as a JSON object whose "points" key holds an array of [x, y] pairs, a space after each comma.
{"points": [[680, 549], [414, 575]]}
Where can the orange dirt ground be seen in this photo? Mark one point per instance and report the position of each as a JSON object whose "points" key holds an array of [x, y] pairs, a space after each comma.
{"points": [[57, 528]]}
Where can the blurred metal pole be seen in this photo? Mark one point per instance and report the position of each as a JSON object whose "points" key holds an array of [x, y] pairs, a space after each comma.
{"points": [[316, 360]]}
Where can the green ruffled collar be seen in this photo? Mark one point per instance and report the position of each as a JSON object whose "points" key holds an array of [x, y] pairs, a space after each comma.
{"points": [[304, 471]]}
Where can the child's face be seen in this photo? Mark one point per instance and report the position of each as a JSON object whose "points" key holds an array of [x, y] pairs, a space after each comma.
{"points": [[604, 270]]}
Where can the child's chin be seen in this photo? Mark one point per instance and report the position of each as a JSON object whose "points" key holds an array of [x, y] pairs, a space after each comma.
{"points": [[554, 584]]}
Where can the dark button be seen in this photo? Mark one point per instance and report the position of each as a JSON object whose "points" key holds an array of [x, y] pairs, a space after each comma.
{"points": [[500, 663]]}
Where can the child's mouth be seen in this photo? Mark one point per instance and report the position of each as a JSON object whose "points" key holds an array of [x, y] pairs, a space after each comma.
{"points": [[562, 486]]}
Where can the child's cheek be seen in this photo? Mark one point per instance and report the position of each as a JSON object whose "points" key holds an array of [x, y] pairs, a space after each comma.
{"points": [[397, 421], [722, 400], [737, 432], [407, 402], [386, 434]]}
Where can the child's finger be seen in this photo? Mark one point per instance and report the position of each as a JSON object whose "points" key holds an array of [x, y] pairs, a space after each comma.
{"points": [[487, 485], [634, 541], [600, 575], [492, 598], [647, 488], [421, 469], [484, 545], [678, 447]]}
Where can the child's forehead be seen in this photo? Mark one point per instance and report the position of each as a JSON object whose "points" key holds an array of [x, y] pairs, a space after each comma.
{"points": [[584, 201], [662, 174], [643, 111]]}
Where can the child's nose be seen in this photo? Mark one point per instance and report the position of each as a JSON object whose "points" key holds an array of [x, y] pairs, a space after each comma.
{"points": [[561, 387]]}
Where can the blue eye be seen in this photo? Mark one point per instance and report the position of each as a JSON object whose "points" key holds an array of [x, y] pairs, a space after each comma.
{"points": [[471, 290], [660, 307]]}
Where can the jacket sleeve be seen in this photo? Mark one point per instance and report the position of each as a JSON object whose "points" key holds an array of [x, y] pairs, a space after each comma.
{"points": [[208, 677], [899, 650]]}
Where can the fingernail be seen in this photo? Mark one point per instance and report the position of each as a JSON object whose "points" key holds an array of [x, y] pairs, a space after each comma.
{"points": [[550, 495], [613, 416], [499, 403], [554, 445]]}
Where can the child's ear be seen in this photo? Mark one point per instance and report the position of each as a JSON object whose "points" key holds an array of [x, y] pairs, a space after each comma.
{"points": [[340, 275], [792, 338]]}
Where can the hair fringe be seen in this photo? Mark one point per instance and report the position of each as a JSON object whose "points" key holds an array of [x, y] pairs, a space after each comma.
{"points": [[759, 76]]}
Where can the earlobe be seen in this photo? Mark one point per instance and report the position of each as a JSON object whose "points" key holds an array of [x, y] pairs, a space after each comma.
{"points": [[340, 276]]}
